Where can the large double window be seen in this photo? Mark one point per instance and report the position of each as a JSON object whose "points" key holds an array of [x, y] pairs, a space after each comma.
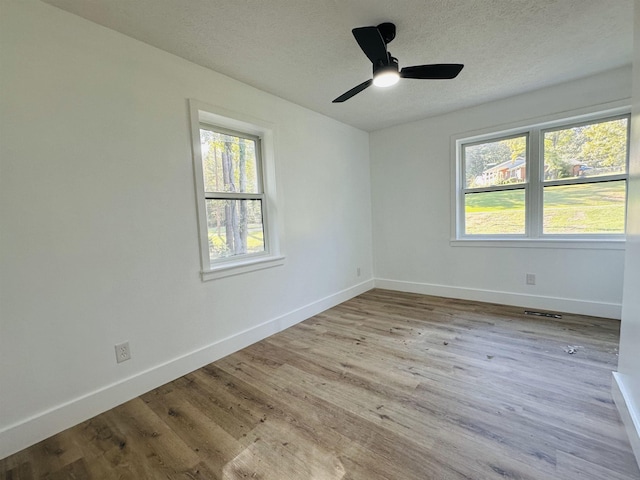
{"points": [[560, 180]]}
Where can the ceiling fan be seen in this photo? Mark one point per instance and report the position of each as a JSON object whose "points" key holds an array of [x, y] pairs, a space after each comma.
{"points": [[373, 41]]}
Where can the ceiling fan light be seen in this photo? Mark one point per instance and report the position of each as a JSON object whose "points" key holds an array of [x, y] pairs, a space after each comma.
{"points": [[386, 78]]}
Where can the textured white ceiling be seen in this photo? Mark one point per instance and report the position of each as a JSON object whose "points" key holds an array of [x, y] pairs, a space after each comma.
{"points": [[303, 50]]}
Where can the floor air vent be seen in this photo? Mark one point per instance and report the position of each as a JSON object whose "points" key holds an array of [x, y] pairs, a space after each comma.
{"points": [[542, 314]]}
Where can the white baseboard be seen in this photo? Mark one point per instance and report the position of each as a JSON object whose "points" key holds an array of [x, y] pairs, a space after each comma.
{"points": [[554, 304], [628, 412], [60, 417]]}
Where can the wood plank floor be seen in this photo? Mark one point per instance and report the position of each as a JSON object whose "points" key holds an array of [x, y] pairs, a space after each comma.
{"points": [[385, 386]]}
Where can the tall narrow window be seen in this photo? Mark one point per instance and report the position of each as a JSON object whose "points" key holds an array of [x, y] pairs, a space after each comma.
{"points": [[235, 193]]}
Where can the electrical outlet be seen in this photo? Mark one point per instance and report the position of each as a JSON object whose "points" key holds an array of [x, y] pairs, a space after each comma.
{"points": [[358, 271], [531, 278], [123, 353]]}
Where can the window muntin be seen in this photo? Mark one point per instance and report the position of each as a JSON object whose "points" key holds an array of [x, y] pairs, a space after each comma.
{"points": [[575, 177], [233, 191]]}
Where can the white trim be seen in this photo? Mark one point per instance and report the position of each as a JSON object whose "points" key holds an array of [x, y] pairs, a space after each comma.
{"points": [[60, 417], [534, 196], [628, 412], [554, 304], [522, 242], [242, 266], [198, 178]]}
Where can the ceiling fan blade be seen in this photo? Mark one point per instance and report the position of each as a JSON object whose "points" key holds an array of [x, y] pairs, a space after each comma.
{"points": [[353, 91], [437, 71], [371, 42]]}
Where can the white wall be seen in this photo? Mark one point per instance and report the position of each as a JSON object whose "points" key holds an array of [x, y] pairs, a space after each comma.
{"points": [[411, 186], [98, 227], [627, 387]]}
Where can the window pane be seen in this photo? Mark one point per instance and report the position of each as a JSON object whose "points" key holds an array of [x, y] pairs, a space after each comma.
{"points": [[495, 163], [586, 151], [585, 208], [228, 163], [494, 213], [235, 227]]}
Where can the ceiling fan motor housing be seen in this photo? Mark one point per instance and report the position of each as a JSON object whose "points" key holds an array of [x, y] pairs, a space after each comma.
{"points": [[391, 65]]}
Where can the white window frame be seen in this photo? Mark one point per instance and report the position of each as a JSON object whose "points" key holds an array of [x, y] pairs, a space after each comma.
{"points": [[233, 123], [534, 183]]}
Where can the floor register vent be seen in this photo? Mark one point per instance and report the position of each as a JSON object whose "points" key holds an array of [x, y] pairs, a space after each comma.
{"points": [[542, 314]]}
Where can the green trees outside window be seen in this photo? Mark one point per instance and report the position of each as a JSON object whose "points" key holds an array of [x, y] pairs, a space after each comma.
{"points": [[233, 193]]}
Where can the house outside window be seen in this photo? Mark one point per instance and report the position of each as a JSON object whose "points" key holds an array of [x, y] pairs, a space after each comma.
{"points": [[563, 180]]}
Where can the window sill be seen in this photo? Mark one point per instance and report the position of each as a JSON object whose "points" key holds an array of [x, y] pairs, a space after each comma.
{"points": [[571, 243], [240, 267]]}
